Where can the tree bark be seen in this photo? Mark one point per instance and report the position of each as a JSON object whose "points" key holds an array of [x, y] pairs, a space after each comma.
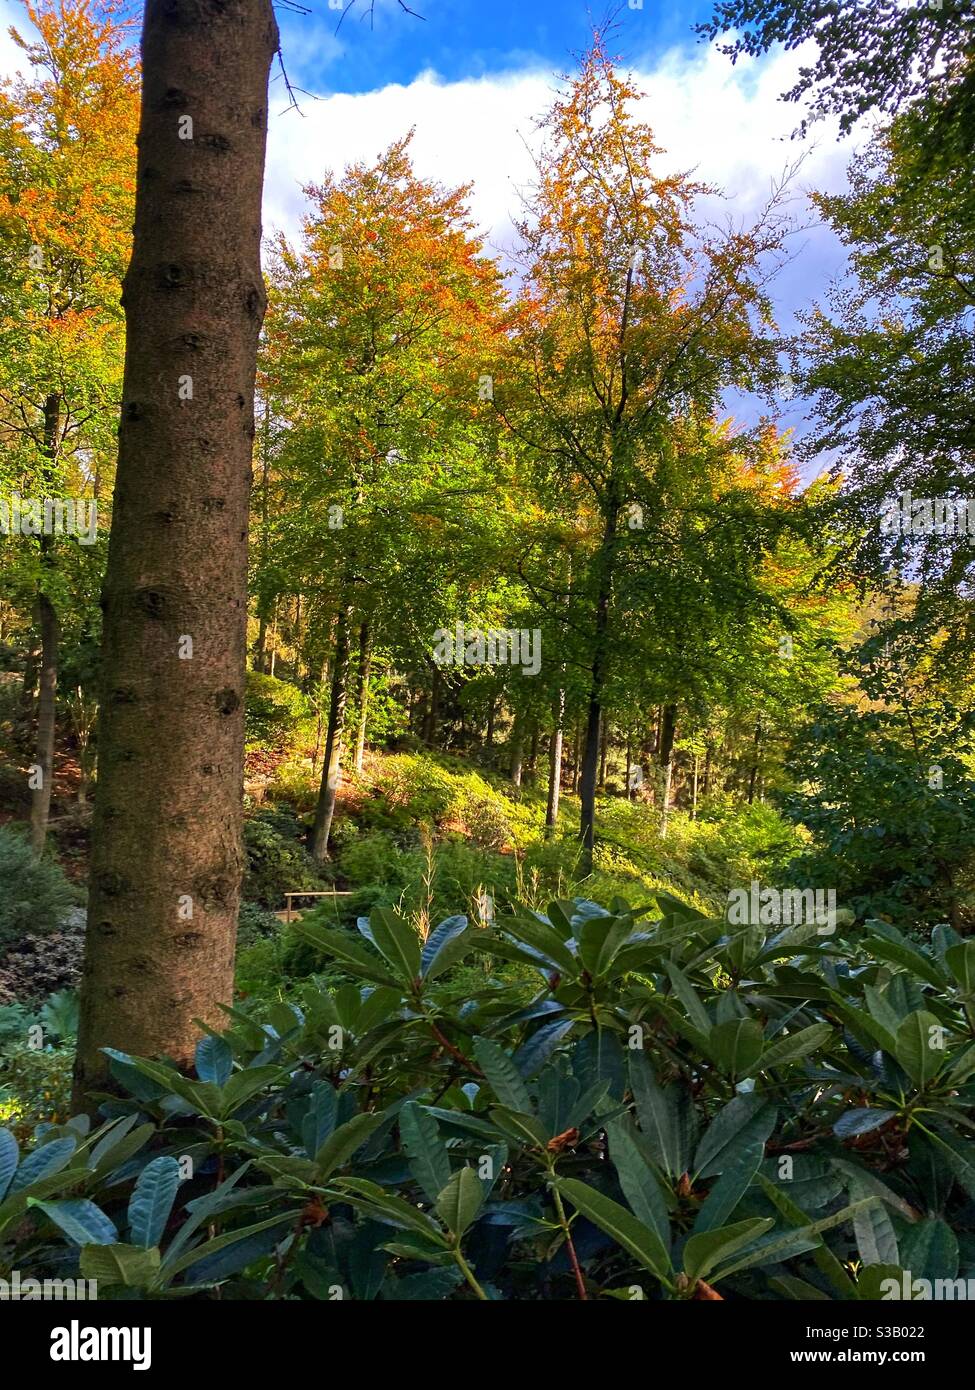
{"points": [[555, 767], [597, 677], [332, 765], [166, 855], [365, 664], [43, 769], [756, 760], [668, 732]]}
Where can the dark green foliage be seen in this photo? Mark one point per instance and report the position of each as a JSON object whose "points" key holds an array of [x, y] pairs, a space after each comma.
{"points": [[274, 711], [35, 894], [277, 862], [676, 1105]]}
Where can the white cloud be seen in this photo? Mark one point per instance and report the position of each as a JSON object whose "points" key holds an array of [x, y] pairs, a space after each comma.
{"points": [[727, 123]]}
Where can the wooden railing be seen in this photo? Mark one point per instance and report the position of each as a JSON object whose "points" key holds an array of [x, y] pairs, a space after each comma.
{"points": [[288, 914]]}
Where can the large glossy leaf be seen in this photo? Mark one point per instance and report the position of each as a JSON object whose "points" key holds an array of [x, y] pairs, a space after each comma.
{"points": [[425, 1149], [342, 1144], [637, 1179], [152, 1200], [663, 1115], [745, 1119], [704, 1252], [632, 1235], [796, 1046], [460, 1201], [42, 1163], [502, 1075], [9, 1158], [115, 1264], [435, 956], [737, 1045], [214, 1060], [397, 940], [80, 1220], [920, 1049], [358, 959]]}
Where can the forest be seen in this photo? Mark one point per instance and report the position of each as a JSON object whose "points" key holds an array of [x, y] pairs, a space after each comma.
{"points": [[486, 797]]}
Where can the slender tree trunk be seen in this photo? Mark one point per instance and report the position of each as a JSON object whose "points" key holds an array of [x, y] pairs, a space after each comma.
{"points": [[491, 713], [365, 664], [166, 855], [332, 765], [555, 767], [28, 694], [531, 764], [48, 628], [43, 768], [708, 753], [668, 732], [694, 793], [516, 753], [430, 716], [756, 760], [603, 750], [597, 677]]}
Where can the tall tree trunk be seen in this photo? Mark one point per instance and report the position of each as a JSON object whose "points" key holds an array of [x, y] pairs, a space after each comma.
{"points": [[491, 712], [603, 749], [597, 677], [531, 763], [668, 732], [365, 664], [516, 751], [43, 769], [555, 767], [756, 760], [166, 854], [48, 629], [430, 715], [332, 765]]}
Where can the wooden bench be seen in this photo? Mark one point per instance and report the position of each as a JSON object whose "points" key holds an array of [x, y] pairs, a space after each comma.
{"points": [[289, 914]]}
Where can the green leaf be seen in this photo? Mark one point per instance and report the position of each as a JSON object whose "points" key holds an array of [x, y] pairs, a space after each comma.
{"points": [[244, 1085], [357, 958], [600, 938], [386, 1207], [546, 941], [127, 1265], [397, 941], [460, 1201], [80, 1220], [435, 957], [503, 1075], [796, 1045], [736, 1177], [42, 1163], [152, 1200], [793, 1242], [427, 1153], [214, 1060], [211, 1247], [632, 1235], [916, 1049], [663, 1116], [524, 1129], [960, 960], [637, 1179], [875, 1236], [737, 1045], [912, 960], [822, 1257], [340, 1146], [745, 1118], [9, 1158], [703, 1252], [688, 996]]}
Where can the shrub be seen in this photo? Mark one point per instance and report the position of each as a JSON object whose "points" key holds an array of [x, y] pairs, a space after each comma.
{"points": [[274, 711], [37, 966], [36, 895], [276, 861], [668, 1105]]}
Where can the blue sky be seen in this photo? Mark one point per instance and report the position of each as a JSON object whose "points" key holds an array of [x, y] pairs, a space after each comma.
{"points": [[471, 78], [467, 38]]}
